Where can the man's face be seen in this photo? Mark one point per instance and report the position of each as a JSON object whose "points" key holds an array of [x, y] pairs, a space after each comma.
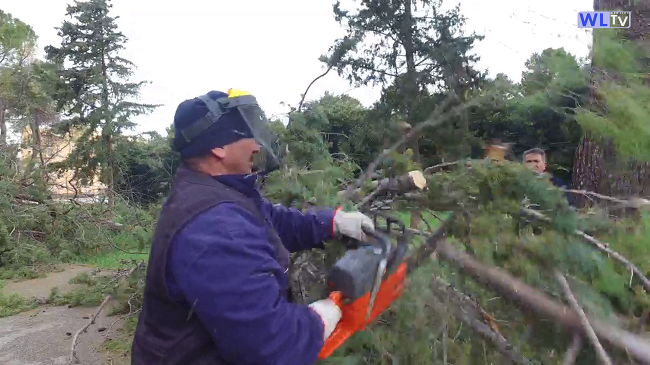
{"points": [[237, 157], [536, 162]]}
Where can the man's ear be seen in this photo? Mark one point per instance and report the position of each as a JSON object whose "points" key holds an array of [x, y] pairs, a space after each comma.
{"points": [[219, 153]]}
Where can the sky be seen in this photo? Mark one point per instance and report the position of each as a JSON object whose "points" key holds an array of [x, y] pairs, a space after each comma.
{"points": [[271, 48]]}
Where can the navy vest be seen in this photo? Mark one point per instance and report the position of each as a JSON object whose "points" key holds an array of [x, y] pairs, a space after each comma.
{"points": [[167, 332]]}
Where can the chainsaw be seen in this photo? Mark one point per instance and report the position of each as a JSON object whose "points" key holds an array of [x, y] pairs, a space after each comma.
{"points": [[366, 280]]}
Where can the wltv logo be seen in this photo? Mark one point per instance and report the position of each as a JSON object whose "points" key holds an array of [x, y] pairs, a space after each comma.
{"points": [[604, 19]]}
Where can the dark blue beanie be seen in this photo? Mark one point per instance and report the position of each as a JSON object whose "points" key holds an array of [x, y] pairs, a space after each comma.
{"points": [[230, 127]]}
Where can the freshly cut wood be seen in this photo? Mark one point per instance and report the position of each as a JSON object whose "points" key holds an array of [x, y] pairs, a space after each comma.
{"points": [[418, 179], [413, 180]]}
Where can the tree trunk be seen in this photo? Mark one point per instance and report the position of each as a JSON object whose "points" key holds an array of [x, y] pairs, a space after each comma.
{"points": [[406, 33], [110, 185], [596, 167], [37, 148], [3, 123], [107, 133]]}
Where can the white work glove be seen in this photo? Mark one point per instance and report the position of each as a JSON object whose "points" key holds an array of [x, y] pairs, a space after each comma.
{"points": [[329, 313], [350, 224]]}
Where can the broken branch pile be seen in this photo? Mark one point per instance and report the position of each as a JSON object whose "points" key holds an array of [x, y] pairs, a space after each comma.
{"points": [[484, 198]]}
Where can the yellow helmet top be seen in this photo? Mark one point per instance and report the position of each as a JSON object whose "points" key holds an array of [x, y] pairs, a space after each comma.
{"points": [[233, 93]]}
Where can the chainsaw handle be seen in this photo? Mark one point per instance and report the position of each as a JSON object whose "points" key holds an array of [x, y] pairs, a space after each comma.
{"points": [[353, 243], [337, 298]]}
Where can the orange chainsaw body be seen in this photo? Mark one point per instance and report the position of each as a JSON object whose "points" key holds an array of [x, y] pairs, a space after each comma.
{"points": [[354, 315]]}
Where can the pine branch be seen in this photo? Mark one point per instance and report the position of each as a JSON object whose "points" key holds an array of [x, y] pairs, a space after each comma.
{"points": [[425, 250], [589, 331], [414, 180], [604, 247], [532, 300], [573, 351], [469, 313]]}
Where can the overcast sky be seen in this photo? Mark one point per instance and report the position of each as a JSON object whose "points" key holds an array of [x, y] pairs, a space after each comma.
{"points": [[271, 48]]}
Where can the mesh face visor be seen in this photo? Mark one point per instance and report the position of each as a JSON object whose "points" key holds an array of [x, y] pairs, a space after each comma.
{"points": [[256, 125]]}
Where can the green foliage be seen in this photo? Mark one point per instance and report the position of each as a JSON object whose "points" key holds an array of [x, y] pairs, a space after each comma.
{"points": [[35, 230], [538, 112], [429, 37], [14, 304], [17, 39], [124, 288], [422, 54], [622, 95], [146, 167], [552, 71]]}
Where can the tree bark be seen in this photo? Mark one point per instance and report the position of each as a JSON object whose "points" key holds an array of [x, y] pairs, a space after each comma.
{"points": [[36, 145], [3, 123], [596, 167], [108, 138]]}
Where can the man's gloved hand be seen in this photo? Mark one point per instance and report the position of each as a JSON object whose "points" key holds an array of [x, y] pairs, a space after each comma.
{"points": [[329, 313], [352, 224]]}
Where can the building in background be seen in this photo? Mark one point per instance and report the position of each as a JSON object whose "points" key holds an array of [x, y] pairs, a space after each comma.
{"points": [[55, 148]]}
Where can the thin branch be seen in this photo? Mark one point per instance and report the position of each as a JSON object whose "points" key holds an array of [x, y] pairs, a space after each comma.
{"points": [[642, 320], [302, 99], [573, 351], [91, 321], [589, 331], [468, 312], [370, 197], [123, 317], [424, 251], [604, 247], [634, 202], [440, 166], [413, 180]]}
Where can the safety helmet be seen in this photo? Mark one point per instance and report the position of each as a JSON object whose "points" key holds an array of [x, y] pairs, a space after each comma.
{"points": [[255, 124]]}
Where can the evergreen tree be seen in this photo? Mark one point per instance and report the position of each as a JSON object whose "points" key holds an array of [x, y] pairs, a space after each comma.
{"points": [[17, 42], [614, 153], [414, 50], [94, 89]]}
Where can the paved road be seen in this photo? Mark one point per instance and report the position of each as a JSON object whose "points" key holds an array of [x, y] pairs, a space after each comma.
{"points": [[44, 336], [40, 337]]}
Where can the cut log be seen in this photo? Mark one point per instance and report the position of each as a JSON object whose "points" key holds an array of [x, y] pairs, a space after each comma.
{"points": [[413, 180]]}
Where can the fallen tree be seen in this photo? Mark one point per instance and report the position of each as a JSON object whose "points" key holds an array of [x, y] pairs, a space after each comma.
{"points": [[488, 238]]}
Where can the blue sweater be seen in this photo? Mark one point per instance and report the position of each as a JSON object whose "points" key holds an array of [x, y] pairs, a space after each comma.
{"points": [[221, 263]]}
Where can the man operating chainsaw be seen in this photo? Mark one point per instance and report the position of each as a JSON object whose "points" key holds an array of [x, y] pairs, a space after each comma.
{"points": [[217, 287]]}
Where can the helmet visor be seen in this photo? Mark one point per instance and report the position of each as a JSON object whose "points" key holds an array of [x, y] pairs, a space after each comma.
{"points": [[258, 124]]}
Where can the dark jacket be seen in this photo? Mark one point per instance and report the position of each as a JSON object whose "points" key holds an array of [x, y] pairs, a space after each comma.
{"points": [[562, 184], [223, 272]]}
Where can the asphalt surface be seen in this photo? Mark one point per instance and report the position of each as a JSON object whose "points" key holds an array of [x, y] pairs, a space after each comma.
{"points": [[44, 337]]}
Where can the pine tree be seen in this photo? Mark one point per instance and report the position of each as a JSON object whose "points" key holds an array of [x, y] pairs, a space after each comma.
{"points": [[614, 154], [17, 40], [94, 89]]}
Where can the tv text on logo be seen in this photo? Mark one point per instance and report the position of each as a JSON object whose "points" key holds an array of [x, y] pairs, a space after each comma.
{"points": [[604, 19]]}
